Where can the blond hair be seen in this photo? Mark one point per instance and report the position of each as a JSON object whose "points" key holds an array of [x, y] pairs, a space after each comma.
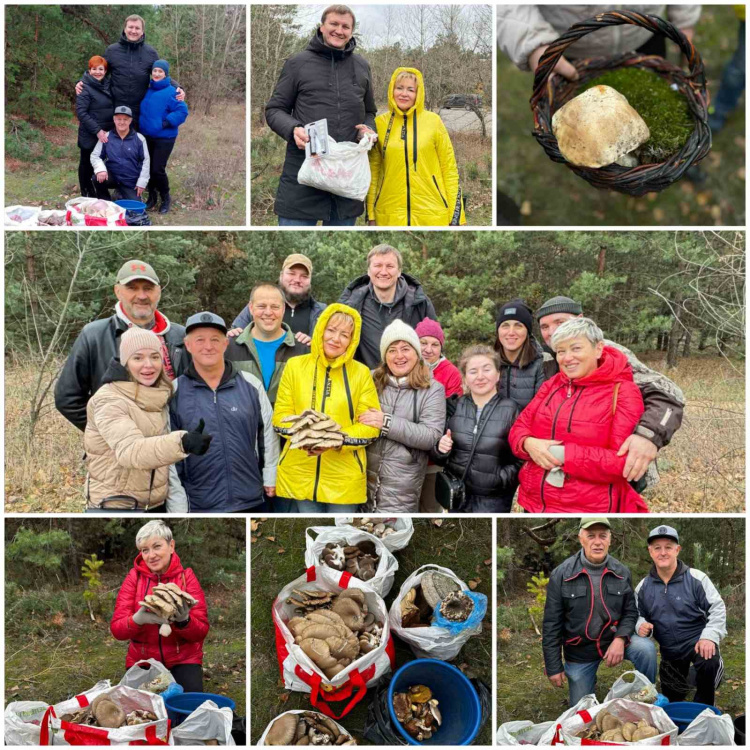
{"points": [[341, 317], [478, 350], [135, 17], [385, 249], [339, 10], [406, 74]]}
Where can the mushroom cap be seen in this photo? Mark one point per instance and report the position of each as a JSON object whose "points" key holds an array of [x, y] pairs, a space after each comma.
{"points": [[109, 715], [317, 649], [282, 731], [350, 612], [356, 594]]}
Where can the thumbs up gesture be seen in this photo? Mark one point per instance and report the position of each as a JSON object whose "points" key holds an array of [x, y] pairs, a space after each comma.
{"points": [[446, 443]]}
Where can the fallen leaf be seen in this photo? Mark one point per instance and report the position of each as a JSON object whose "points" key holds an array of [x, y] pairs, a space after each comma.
{"points": [[280, 550], [473, 584], [658, 213], [526, 208], [253, 539], [284, 697], [253, 525], [271, 538], [437, 522]]}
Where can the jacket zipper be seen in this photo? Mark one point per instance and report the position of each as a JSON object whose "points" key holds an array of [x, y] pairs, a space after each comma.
{"points": [[406, 163], [439, 193], [230, 491], [322, 408]]}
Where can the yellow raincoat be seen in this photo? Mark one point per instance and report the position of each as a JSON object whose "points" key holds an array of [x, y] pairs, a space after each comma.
{"points": [[343, 389], [414, 173]]}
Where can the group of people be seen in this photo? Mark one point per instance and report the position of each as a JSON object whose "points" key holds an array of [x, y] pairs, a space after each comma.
{"points": [[197, 417], [414, 176], [129, 112]]}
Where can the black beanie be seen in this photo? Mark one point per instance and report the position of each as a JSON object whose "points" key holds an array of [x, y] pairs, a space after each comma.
{"points": [[518, 310]]}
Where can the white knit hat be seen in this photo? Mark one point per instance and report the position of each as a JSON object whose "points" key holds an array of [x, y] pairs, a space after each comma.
{"points": [[136, 338], [399, 331]]}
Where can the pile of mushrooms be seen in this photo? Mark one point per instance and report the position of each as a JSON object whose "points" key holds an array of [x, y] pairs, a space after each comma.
{"points": [[420, 602], [164, 600], [307, 728], [608, 728], [375, 526], [418, 712], [360, 559], [104, 712], [335, 637], [312, 430], [456, 606]]}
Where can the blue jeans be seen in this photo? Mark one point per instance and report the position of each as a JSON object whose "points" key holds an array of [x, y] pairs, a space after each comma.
{"points": [[582, 675], [732, 85], [334, 221], [310, 506]]}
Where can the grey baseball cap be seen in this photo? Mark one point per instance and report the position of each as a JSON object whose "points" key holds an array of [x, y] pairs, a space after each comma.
{"points": [[205, 320], [123, 110], [663, 532], [136, 269]]}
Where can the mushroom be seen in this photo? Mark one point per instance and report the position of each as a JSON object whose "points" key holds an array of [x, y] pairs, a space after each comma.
{"points": [[350, 612], [282, 731], [436, 586], [107, 713], [457, 606]]}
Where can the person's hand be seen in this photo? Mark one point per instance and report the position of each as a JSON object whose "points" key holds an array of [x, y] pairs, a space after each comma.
{"points": [[372, 418], [303, 338], [101, 176], [301, 137], [371, 223], [645, 630], [446, 443], [139, 191], [234, 332], [144, 617], [183, 611], [615, 653], [558, 680], [317, 452], [180, 95], [103, 136], [79, 88], [540, 455], [641, 452], [705, 648], [363, 130], [196, 442], [270, 491], [564, 67]]}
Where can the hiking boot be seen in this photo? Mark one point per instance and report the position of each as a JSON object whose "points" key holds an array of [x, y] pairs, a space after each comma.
{"points": [[166, 203], [153, 199]]}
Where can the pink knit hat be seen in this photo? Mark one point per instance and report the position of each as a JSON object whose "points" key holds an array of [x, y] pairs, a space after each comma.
{"points": [[136, 338], [429, 327]]}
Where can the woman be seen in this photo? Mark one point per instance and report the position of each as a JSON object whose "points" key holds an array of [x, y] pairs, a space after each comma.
{"points": [[159, 122], [329, 380], [94, 109], [570, 433], [181, 652], [475, 446], [414, 174], [521, 357], [130, 451], [410, 421]]}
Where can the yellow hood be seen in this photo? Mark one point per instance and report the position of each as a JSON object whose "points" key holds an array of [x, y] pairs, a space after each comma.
{"points": [[316, 345], [418, 104]]}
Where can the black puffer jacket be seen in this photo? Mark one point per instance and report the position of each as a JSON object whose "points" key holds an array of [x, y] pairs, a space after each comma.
{"points": [[493, 472], [94, 110], [319, 83], [522, 383], [130, 70]]}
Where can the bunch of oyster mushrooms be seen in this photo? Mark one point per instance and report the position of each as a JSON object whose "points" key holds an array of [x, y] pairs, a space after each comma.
{"points": [[374, 526], [308, 728], [336, 633], [164, 600], [360, 559], [420, 602], [104, 712], [312, 430], [418, 712], [608, 728]]}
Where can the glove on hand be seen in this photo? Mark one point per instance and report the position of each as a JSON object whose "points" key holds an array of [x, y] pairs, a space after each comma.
{"points": [[196, 442], [144, 617]]}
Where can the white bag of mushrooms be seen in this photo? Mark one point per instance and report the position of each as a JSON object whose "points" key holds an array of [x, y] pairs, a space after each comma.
{"points": [[208, 724], [387, 564], [396, 531], [284, 730]]}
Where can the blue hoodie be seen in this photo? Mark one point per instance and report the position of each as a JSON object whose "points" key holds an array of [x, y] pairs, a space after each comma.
{"points": [[161, 113]]}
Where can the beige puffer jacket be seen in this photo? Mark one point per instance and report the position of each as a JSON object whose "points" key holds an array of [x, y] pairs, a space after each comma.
{"points": [[127, 439], [523, 28]]}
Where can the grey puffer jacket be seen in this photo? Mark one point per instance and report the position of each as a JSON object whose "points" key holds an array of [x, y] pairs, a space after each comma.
{"points": [[523, 28], [397, 460], [522, 383]]}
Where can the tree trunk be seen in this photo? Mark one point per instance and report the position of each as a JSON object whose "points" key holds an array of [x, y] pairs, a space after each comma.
{"points": [[673, 346], [703, 341], [686, 343], [602, 261]]}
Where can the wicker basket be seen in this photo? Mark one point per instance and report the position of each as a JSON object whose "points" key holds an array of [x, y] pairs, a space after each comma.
{"points": [[551, 92]]}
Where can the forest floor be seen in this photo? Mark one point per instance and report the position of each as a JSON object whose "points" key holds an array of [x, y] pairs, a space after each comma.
{"points": [[278, 550], [206, 169], [547, 193], [702, 470]]}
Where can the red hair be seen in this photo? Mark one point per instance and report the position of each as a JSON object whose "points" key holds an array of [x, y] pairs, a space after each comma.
{"points": [[97, 60]]}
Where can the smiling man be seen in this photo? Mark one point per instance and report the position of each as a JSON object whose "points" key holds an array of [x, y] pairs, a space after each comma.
{"points": [[138, 293], [682, 610]]}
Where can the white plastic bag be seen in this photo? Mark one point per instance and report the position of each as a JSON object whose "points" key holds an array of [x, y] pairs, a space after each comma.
{"points": [[708, 728], [381, 582], [137, 676], [262, 740], [522, 732], [81, 212], [640, 690], [403, 525], [21, 216], [344, 170], [45, 218], [585, 704], [429, 642], [207, 722]]}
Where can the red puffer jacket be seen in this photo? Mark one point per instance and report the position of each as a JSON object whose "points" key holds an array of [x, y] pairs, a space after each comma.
{"points": [[184, 645], [579, 413]]}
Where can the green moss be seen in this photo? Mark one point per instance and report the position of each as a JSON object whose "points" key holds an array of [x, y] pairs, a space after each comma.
{"points": [[665, 111]]}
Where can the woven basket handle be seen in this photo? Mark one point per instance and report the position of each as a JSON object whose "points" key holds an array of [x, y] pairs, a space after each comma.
{"points": [[656, 25]]}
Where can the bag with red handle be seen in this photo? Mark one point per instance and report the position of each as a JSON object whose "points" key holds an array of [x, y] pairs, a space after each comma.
{"points": [[298, 670], [93, 212]]}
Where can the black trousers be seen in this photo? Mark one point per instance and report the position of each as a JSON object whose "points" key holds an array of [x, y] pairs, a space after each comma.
{"points": [[86, 173], [190, 676], [103, 188], [673, 674], [159, 150]]}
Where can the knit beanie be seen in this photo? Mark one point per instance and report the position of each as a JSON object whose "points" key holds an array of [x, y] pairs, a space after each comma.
{"points": [[136, 338], [559, 305], [399, 331], [518, 310], [429, 327], [163, 64]]}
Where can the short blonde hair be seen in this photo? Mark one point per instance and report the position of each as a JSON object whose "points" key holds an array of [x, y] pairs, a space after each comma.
{"points": [[135, 17], [341, 317], [575, 327], [406, 74], [478, 350], [385, 249]]}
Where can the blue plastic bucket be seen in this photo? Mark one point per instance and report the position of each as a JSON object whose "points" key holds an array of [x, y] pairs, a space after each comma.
{"points": [[458, 701], [137, 207], [683, 713], [179, 707]]}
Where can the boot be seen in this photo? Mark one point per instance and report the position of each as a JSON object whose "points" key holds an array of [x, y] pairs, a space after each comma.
{"points": [[166, 203], [153, 198]]}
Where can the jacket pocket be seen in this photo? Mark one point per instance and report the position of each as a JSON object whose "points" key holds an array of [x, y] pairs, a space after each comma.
{"points": [[434, 179], [359, 461], [574, 641], [574, 592]]}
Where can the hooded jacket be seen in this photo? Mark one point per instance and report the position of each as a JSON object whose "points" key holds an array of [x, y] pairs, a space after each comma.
{"points": [[130, 66], [343, 389], [161, 113], [414, 173], [580, 414], [522, 383], [185, 644], [449, 375], [94, 110], [410, 304], [244, 319], [319, 83], [93, 350], [126, 160], [397, 460]]}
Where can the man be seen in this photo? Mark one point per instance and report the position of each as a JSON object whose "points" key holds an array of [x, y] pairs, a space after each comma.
{"points": [[590, 615], [683, 611], [138, 293], [385, 294], [240, 464], [122, 162], [301, 311], [663, 399], [267, 344], [326, 81]]}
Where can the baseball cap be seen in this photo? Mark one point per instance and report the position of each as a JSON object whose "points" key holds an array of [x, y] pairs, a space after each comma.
{"points": [[136, 269], [666, 532], [122, 110], [297, 259], [205, 320], [588, 521]]}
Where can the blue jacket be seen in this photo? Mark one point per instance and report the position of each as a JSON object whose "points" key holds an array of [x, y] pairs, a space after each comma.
{"points": [[125, 159], [244, 451], [684, 610], [161, 113]]}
